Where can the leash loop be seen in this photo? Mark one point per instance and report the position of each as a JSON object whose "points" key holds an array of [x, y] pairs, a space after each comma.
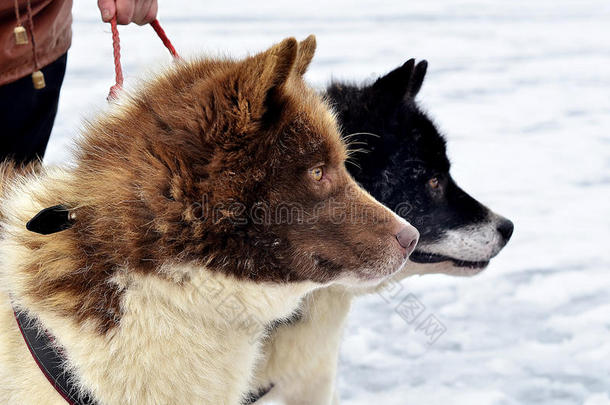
{"points": [[116, 49], [118, 69]]}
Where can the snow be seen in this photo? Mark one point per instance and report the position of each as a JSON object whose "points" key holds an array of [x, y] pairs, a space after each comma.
{"points": [[522, 90]]}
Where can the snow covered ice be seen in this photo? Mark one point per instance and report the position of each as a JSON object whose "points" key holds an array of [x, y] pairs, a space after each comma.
{"points": [[521, 88]]}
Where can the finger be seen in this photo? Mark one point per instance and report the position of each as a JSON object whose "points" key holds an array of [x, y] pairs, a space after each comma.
{"points": [[152, 12], [146, 11], [107, 9], [124, 11]]}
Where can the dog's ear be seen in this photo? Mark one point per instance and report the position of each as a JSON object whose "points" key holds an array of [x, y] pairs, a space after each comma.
{"points": [[256, 91], [417, 79], [307, 48], [395, 85], [403, 82], [279, 63], [278, 67]]}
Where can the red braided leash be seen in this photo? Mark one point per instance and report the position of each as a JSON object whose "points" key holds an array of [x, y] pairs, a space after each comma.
{"points": [[118, 70], [116, 45], [161, 33]]}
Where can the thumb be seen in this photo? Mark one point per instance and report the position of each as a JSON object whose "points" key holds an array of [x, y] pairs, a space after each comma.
{"points": [[107, 8]]}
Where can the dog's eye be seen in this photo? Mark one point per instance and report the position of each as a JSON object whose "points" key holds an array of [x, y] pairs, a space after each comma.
{"points": [[433, 183], [316, 173]]}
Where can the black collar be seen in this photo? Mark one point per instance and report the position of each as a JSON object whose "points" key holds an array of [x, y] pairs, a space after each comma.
{"points": [[254, 396], [50, 360]]}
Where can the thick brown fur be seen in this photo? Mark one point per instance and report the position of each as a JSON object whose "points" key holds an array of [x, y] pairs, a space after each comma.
{"points": [[219, 185], [176, 173]]}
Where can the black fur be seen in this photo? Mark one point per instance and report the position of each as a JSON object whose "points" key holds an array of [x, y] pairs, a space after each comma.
{"points": [[399, 150]]}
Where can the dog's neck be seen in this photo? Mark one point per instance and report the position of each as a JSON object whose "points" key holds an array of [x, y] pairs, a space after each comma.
{"points": [[193, 342], [185, 333]]}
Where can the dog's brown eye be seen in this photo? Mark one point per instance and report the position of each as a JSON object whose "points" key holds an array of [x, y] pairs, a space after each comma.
{"points": [[317, 173], [433, 182]]}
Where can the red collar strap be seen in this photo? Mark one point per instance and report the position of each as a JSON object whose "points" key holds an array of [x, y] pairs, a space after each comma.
{"points": [[50, 359]]}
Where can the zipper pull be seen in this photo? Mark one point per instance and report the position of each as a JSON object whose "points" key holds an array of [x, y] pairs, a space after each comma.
{"points": [[38, 80], [21, 35]]}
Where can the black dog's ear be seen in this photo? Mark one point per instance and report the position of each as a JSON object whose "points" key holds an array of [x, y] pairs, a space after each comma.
{"points": [[417, 79], [394, 86]]}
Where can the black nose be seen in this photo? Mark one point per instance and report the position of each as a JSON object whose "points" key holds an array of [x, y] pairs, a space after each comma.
{"points": [[505, 228]]}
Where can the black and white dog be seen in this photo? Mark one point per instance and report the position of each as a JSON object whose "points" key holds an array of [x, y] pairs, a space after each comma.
{"points": [[404, 165]]}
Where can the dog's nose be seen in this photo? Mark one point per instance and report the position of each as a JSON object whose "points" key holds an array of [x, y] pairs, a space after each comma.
{"points": [[408, 237], [505, 228]]}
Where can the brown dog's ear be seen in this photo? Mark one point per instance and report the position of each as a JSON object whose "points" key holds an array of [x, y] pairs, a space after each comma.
{"points": [[254, 88], [279, 62], [307, 48], [278, 65]]}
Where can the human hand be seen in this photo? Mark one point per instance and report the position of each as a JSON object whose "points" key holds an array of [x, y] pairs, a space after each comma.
{"points": [[127, 11]]}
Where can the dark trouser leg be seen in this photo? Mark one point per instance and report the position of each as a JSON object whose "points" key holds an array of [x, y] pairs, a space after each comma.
{"points": [[27, 114]]}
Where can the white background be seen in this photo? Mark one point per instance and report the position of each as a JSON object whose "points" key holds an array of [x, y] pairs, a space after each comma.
{"points": [[521, 88]]}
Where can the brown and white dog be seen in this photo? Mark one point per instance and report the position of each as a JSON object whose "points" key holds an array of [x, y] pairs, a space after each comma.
{"points": [[184, 245]]}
